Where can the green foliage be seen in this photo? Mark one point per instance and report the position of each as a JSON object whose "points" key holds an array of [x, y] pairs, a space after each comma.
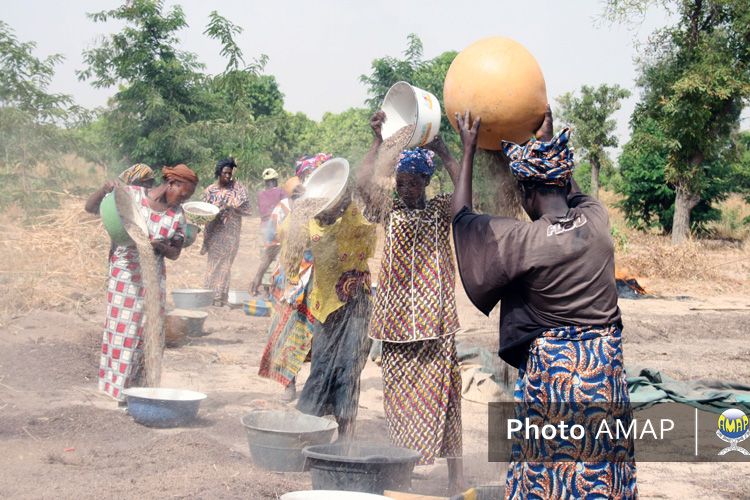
{"points": [[167, 111], [740, 164], [648, 199], [592, 127], [428, 75], [620, 239], [695, 78], [160, 87], [32, 122], [347, 134]]}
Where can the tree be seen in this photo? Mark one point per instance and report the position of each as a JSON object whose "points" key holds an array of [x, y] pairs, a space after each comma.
{"points": [[695, 78], [346, 134], [388, 70], [160, 87], [167, 111], [589, 118], [32, 120], [740, 164], [648, 199]]}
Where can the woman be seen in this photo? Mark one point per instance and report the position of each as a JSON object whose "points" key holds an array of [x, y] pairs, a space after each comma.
{"points": [[268, 199], [222, 237], [341, 241], [415, 308], [291, 332], [139, 175], [559, 320], [121, 364]]}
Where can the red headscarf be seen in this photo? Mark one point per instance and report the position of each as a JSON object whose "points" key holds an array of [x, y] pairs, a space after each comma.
{"points": [[179, 173]]}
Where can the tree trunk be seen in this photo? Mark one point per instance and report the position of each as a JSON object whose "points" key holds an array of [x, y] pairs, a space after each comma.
{"points": [[594, 177], [684, 202]]}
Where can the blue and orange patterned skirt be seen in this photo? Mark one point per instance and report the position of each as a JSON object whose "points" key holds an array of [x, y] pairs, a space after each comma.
{"points": [[572, 365]]}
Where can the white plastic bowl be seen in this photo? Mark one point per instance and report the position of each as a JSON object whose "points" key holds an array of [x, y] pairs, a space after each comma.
{"points": [[405, 104], [327, 181]]}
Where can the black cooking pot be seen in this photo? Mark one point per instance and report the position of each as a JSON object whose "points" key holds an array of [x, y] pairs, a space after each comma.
{"points": [[352, 467]]}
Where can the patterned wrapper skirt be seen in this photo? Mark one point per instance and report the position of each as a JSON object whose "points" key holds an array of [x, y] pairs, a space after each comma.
{"points": [[339, 353], [422, 396], [289, 341], [121, 363], [582, 365], [223, 243]]}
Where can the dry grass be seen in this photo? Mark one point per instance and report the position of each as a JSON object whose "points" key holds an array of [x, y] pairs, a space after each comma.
{"points": [[58, 261], [731, 226], [709, 264]]}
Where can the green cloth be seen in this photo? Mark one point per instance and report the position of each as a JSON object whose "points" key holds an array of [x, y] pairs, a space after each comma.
{"points": [[647, 386]]}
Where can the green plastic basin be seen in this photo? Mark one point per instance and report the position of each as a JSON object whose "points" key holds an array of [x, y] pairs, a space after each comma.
{"points": [[113, 205]]}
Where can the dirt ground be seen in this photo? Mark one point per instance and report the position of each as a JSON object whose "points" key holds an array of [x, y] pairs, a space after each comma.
{"points": [[61, 438]]}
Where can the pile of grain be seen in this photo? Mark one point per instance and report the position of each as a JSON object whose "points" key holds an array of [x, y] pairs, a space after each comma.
{"points": [[297, 237]]}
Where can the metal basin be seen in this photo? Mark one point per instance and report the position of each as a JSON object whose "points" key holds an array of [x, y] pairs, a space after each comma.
{"points": [[159, 407], [276, 438], [192, 298]]}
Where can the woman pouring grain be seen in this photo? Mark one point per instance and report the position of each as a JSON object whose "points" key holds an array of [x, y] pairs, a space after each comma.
{"points": [[415, 308], [341, 241], [290, 335], [560, 325], [122, 360]]}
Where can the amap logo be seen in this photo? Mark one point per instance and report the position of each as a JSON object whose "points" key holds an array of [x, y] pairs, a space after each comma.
{"points": [[733, 429]]}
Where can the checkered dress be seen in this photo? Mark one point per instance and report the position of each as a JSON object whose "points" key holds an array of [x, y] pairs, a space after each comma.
{"points": [[122, 346]]}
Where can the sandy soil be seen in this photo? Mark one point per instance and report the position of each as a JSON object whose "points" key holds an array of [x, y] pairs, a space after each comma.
{"points": [[61, 438]]}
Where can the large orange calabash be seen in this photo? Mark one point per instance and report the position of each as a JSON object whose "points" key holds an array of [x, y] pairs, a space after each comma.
{"points": [[501, 82]]}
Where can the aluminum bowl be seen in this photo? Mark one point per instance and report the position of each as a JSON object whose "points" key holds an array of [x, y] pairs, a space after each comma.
{"points": [[192, 298], [159, 407]]}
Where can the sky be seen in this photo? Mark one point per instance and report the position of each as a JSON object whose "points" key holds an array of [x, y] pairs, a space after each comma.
{"points": [[318, 49]]}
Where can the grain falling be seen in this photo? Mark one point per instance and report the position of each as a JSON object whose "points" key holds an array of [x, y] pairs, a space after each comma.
{"points": [[297, 238], [385, 170], [153, 338]]}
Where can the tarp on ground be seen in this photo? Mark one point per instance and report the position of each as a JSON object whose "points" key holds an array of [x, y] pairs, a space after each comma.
{"points": [[484, 381]]}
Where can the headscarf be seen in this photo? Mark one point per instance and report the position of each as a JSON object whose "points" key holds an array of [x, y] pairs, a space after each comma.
{"points": [[179, 173], [307, 162], [138, 172], [545, 162], [269, 174], [418, 161]]}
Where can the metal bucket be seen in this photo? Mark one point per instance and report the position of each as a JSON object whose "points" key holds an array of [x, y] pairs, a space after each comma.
{"points": [[276, 438]]}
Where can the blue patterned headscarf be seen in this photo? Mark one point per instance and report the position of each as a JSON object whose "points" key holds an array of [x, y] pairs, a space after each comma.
{"points": [[418, 161], [545, 162]]}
